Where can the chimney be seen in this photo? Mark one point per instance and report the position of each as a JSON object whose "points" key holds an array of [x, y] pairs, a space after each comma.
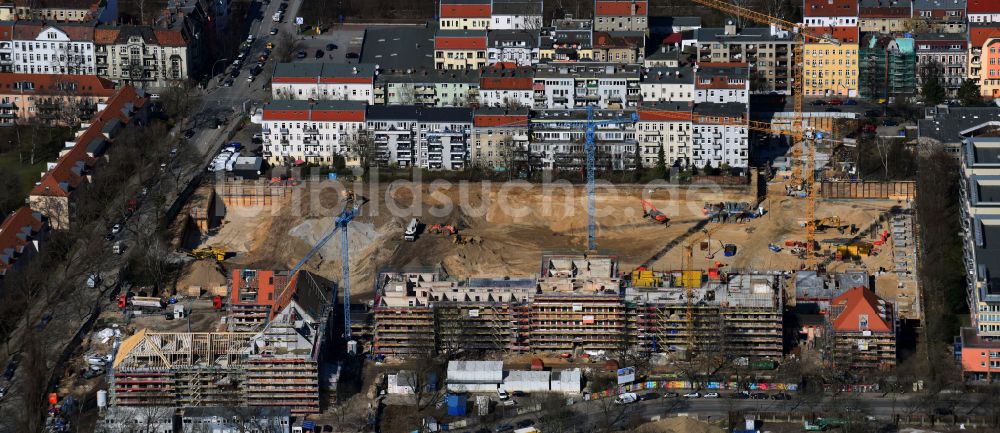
{"points": [[730, 28]]}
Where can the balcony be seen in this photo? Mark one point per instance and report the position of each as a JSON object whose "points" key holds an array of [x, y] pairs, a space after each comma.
{"points": [[311, 131]]}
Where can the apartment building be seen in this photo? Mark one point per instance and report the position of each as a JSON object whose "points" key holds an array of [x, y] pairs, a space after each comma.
{"points": [[982, 11], [945, 55], [500, 138], [832, 70], [460, 49], [513, 46], [433, 138], [980, 213], [62, 11], [621, 15], [574, 303], [740, 315], [324, 81], [6, 46], [864, 330], [984, 58], [665, 84], [946, 16], [506, 85], [722, 83], [277, 366], [830, 13], [516, 15], [884, 16], [767, 50], [21, 234], [53, 194], [720, 135], [464, 14], [256, 296], [309, 131], [51, 99], [40, 48], [619, 47], [577, 85], [428, 87], [665, 125], [142, 56], [887, 67], [980, 357], [557, 140], [568, 39]]}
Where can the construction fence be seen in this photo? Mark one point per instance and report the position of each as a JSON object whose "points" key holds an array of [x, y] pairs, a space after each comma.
{"points": [[259, 193], [899, 190]]}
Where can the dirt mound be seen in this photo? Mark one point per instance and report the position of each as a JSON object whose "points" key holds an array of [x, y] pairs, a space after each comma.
{"points": [[202, 273]]}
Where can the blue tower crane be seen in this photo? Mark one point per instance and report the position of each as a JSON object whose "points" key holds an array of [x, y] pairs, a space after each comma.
{"points": [[339, 225], [590, 129]]}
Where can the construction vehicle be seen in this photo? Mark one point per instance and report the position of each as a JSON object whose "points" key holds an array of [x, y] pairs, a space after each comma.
{"points": [[140, 302], [411, 230], [823, 424], [219, 254], [825, 223], [650, 211], [443, 228]]}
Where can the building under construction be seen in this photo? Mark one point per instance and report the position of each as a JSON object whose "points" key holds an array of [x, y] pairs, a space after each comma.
{"points": [[274, 366], [576, 303]]}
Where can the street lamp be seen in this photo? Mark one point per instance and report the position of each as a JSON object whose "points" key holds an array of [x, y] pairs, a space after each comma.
{"points": [[216, 64]]}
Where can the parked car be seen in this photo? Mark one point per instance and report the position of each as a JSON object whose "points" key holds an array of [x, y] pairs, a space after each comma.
{"points": [[274, 30], [889, 122], [502, 394], [832, 110], [758, 396], [525, 423], [283, 6], [851, 102], [872, 113], [319, 54], [649, 396], [695, 394], [819, 102], [251, 77], [8, 373], [189, 133], [91, 373], [781, 396], [836, 102], [115, 229], [235, 73], [352, 55], [331, 47], [300, 55], [671, 395], [500, 428], [742, 395], [711, 395], [228, 82]]}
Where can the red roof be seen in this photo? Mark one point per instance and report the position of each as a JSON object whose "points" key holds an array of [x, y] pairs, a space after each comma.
{"points": [[861, 301], [64, 176], [45, 84], [499, 120], [506, 76], [650, 115], [465, 11], [979, 35], [460, 43], [315, 115], [619, 8], [170, 38], [983, 7], [6, 32], [15, 233], [846, 35], [830, 8], [884, 12], [105, 36]]}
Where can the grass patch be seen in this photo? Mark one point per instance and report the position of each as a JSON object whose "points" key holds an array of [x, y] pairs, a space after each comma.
{"points": [[19, 174]]}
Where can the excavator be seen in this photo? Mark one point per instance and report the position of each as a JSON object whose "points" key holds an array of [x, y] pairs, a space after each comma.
{"points": [[650, 211], [219, 254], [442, 228], [825, 223]]}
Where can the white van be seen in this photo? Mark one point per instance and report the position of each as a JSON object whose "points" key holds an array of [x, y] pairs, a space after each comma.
{"points": [[277, 17]]}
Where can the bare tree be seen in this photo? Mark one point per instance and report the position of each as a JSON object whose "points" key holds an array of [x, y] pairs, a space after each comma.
{"points": [[362, 145], [178, 100], [405, 94], [285, 47]]}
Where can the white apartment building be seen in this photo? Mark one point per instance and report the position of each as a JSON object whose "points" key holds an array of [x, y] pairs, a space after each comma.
{"points": [[667, 84], [141, 56], [500, 138], [514, 46], [428, 87], [433, 138], [516, 15], [324, 81], [506, 87], [556, 145], [722, 83], [667, 126], [311, 132], [830, 13], [577, 85], [720, 135], [53, 49], [464, 14]]}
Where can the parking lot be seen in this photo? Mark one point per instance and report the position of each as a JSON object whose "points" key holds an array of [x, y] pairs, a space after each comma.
{"points": [[345, 39]]}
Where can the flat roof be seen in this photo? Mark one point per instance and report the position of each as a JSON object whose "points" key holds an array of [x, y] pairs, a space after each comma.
{"points": [[399, 48], [987, 252], [587, 70], [668, 75], [744, 35], [949, 124]]}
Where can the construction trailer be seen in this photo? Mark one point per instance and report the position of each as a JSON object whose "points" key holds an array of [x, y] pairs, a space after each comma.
{"points": [[577, 303], [273, 367]]}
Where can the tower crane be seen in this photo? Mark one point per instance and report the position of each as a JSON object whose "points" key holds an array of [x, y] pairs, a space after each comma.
{"points": [[590, 130], [351, 209], [797, 132]]}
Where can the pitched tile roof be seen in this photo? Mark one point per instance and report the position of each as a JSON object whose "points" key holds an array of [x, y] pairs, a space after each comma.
{"points": [[619, 7], [170, 38], [105, 36], [465, 11], [502, 77], [319, 111], [983, 7], [978, 35], [15, 232], [47, 84], [830, 8], [460, 40], [857, 302], [500, 117]]}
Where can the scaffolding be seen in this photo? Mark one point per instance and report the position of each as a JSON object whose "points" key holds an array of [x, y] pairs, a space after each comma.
{"points": [[887, 67]]}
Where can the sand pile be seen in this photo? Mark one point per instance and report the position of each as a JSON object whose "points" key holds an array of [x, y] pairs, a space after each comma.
{"points": [[201, 273], [680, 424]]}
